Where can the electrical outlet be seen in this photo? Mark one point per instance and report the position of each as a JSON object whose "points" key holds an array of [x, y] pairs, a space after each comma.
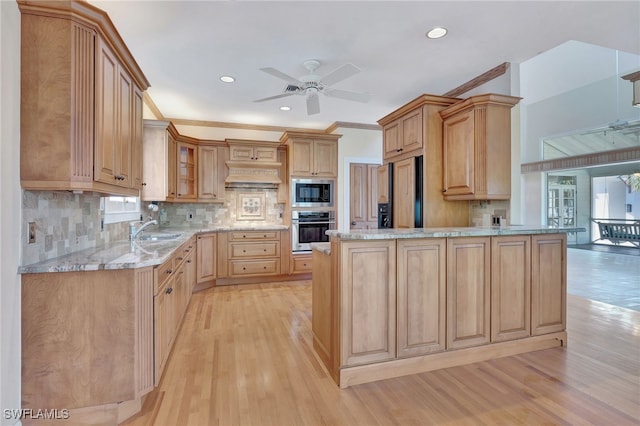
{"points": [[189, 216], [32, 232]]}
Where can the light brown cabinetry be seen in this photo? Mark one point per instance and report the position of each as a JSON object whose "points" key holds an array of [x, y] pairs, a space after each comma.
{"points": [[477, 148], [468, 291], [159, 152], [206, 252], [404, 193], [253, 161], [312, 155], [510, 287], [174, 282], [186, 171], [420, 117], [403, 135], [253, 153], [301, 263], [253, 253], [548, 283], [81, 102], [422, 293], [363, 195], [368, 302], [210, 173], [383, 183]]}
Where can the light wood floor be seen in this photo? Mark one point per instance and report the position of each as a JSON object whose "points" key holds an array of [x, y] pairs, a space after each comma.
{"points": [[244, 356]]}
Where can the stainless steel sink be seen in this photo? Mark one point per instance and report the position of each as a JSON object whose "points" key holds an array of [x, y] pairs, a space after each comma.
{"points": [[158, 236]]}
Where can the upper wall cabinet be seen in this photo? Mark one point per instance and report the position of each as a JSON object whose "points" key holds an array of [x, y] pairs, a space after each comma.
{"points": [[402, 135], [477, 148], [312, 154], [253, 162], [81, 101], [211, 173]]}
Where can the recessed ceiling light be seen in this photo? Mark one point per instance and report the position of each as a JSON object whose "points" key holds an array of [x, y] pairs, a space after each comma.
{"points": [[227, 79], [285, 108], [437, 32]]}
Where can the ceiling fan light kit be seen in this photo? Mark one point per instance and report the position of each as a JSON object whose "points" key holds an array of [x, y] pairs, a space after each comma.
{"points": [[311, 85]]}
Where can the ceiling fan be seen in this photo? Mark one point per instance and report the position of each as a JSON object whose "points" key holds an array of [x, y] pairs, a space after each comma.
{"points": [[312, 84]]}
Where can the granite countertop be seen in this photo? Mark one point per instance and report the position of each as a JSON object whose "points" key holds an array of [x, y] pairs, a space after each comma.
{"points": [[322, 247], [477, 231], [127, 254]]}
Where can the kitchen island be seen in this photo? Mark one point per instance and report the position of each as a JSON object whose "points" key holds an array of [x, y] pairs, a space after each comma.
{"points": [[388, 303]]}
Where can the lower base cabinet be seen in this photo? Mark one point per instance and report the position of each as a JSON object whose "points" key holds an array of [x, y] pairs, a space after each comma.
{"points": [[384, 303]]}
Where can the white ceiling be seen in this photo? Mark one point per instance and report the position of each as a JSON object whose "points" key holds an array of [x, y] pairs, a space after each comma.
{"points": [[183, 47]]}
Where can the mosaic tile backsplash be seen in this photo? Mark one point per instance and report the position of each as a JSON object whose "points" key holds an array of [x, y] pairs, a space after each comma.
{"points": [[67, 222], [480, 212]]}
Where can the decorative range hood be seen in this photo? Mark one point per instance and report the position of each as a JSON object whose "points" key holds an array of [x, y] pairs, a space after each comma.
{"points": [[253, 172]]}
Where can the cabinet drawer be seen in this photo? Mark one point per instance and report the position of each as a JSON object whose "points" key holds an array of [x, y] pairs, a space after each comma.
{"points": [[301, 264], [265, 249], [239, 268], [254, 235], [163, 272]]}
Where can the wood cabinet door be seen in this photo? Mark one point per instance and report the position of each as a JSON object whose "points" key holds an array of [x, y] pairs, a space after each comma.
{"points": [[510, 287], [421, 296], [208, 180], [105, 156], [372, 195], [358, 195], [137, 180], [404, 187], [383, 183], [206, 255], [172, 172], [412, 131], [302, 158], [468, 291], [186, 171], [459, 154], [391, 139], [241, 153], [325, 158], [548, 283], [368, 301], [124, 124], [265, 153]]}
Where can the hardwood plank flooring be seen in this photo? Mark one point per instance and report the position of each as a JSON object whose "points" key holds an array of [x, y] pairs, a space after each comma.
{"points": [[244, 356]]}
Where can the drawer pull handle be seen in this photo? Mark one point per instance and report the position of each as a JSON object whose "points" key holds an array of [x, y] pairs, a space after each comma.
{"points": [[180, 258], [168, 271], [189, 261], [264, 267], [169, 290], [244, 268], [265, 250], [244, 251], [244, 236]]}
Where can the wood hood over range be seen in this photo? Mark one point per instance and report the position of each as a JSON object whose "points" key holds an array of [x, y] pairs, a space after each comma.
{"points": [[253, 162]]}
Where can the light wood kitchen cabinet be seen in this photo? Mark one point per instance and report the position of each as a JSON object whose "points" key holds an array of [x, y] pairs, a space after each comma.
{"points": [[84, 134], [468, 291], [548, 283], [93, 346], [312, 155], [301, 263], [477, 148], [253, 253], [211, 175], [243, 152], [510, 287], [383, 184], [436, 211], [368, 302], [159, 152], [404, 193], [172, 171], [186, 171], [363, 196], [421, 296], [206, 252], [403, 135]]}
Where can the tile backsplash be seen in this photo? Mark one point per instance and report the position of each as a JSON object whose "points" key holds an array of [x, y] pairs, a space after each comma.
{"points": [[480, 212], [66, 222]]}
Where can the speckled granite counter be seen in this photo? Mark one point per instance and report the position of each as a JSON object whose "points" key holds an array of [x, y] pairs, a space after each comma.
{"points": [[125, 254], [322, 247], [392, 234]]}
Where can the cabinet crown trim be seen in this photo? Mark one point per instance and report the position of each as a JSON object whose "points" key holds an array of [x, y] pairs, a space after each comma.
{"points": [[485, 99]]}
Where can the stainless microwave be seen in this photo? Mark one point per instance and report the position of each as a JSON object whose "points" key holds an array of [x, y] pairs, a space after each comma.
{"points": [[312, 192]]}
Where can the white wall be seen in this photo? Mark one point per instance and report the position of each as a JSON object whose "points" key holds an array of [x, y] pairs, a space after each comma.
{"points": [[355, 146], [10, 209]]}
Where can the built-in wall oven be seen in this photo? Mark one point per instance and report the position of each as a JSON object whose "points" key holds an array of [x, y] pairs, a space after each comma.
{"points": [[311, 193], [309, 227]]}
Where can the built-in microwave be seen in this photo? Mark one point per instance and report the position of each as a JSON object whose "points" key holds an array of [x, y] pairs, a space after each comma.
{"points": [[312, 192]]}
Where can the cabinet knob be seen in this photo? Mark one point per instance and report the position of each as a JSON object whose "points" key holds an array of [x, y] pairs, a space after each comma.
{"points": [[168, 271], [265, 250], [189, 261], [244, 268], [169, 290], [264, 267], [244, 251], [180, 258], [144, 183]]}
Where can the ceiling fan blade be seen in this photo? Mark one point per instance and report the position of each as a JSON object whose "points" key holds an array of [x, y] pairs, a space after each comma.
{"points": [[282, 95], [350, 96], [313, 104], [344, 72], [279, 74]]}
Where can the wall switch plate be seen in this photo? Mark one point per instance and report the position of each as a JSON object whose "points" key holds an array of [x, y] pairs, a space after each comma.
{"points": [[32, 232]]}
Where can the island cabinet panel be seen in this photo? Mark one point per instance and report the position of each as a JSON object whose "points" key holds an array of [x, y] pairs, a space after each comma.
{"points": [[510, 287], [368, 298], [468, 291], [548, 283], [206, 254], [421, 296]]}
